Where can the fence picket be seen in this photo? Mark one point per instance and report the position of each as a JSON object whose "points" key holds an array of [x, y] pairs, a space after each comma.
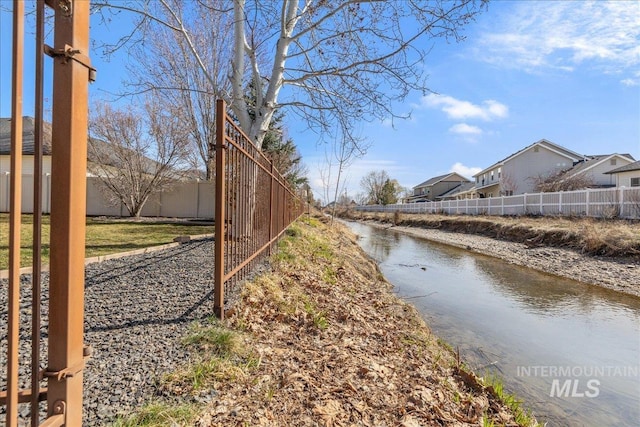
{"points": [[623, 202]]}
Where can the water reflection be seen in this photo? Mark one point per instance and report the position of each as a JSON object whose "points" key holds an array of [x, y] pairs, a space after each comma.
{"points": [[504, 318]]}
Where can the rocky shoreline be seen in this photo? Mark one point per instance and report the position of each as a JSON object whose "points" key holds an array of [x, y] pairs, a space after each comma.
{"points": [[622, 275]]}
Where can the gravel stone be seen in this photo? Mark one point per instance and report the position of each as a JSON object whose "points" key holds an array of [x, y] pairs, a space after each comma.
{"points": [[137, 310]]}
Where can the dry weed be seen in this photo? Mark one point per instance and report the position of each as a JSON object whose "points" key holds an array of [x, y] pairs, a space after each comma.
{"points": [[599, 237]]}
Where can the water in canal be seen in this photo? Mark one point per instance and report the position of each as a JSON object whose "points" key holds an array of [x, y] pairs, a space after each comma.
{"points": [[569, 350]]}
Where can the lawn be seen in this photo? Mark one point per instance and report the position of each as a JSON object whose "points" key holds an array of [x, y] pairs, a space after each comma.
{"points": [[104, 236]]}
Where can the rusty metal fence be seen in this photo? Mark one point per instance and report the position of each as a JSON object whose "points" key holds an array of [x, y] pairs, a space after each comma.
{"points": [[29, 320], [253, 207]]}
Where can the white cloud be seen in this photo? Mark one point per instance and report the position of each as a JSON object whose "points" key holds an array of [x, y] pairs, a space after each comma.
{"points": [[466, 171], [563, 35], [465, 129], [630, 82], [459, 109]]}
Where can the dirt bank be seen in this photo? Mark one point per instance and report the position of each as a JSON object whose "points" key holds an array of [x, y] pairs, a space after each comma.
{"points": [[543, 247], [335, 347]]}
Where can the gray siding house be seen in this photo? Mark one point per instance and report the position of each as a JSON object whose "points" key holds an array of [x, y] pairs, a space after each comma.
{"points": [[597, 167], [626, 176], [436, 186], [515, 174]]}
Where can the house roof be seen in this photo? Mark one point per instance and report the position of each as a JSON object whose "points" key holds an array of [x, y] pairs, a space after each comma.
{"points": [[594, 161], [28, 136], [548, 144], [437, 179], [627, 168], [464, 187]]}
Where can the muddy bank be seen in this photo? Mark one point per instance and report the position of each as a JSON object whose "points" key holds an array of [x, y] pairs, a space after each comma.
{"points": [[618, 273]]}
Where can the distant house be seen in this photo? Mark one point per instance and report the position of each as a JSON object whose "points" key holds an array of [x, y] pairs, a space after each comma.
{"points": [[595, 169], [28, 161], [434, 187], [516, 173], [627, 175], [465, 190], [28, 136]]}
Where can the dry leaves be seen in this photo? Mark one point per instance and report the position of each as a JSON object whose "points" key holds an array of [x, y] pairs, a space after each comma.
{"points": [[339, 349]]}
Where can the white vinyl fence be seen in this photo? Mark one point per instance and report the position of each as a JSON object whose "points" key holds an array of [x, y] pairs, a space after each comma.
{"points": [[620, 202], [192, 199]]}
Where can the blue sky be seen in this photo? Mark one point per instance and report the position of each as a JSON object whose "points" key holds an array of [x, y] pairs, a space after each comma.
{"points": [[568, 72]]}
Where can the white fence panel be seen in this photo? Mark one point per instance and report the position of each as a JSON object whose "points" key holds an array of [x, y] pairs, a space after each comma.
{"points": [[191, 199], [619, 202]]}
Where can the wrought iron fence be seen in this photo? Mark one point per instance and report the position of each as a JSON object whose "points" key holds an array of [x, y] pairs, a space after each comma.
{"points": [[61, 368], [253, 207], [620, 202]]}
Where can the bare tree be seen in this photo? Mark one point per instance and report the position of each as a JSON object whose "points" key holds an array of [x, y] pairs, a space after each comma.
{"points": [[345, 152], [372, 184], [342, 62], [136, 154], [380, 189], [561, 181], [508, 184], [166, 67]]}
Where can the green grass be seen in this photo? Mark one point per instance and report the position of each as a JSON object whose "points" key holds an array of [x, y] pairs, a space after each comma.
{"points": [[102, 237], [220, 356], [213, 338], [522, 416], [159, 415]]}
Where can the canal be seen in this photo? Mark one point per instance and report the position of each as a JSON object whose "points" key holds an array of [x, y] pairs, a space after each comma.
{"points": [[571, 351]]}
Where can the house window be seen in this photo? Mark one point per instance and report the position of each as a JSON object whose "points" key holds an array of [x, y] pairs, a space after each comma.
{"points": [[635, 182], [613, 162], [491, 175], [499, 172], [536, 149]]}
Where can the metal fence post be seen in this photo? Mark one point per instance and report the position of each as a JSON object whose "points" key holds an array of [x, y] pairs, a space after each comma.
{"points": [[271, 207], [15, 209], [71, 74], [219, 213]]}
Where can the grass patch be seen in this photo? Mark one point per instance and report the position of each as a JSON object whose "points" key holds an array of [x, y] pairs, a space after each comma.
{"points": [[160, 415], [220, 356], [522, 417], [213, 338], [102, 236]]}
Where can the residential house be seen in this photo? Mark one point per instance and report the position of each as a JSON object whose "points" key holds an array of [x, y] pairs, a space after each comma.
{"points": [[28, 161], [627, 175], [183, 201], [594, 171], [516, 173], [462, 191], [436, 186]]}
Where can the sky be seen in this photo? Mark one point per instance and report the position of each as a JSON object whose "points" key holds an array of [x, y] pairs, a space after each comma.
{"points": [[565, 71]]}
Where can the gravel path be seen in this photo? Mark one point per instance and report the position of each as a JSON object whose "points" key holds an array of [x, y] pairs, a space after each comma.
{"points": [[617, 274], [137, 310]]}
